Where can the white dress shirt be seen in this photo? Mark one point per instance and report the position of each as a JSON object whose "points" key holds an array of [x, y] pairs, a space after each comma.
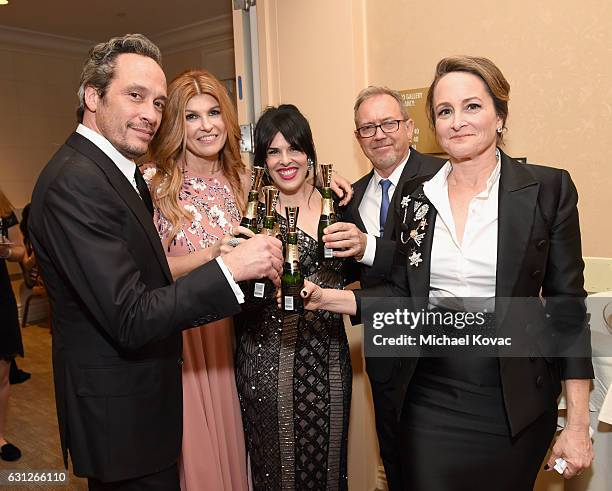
{"points": [[369, 208], [125, 165], [466, 269], [127, 168]]}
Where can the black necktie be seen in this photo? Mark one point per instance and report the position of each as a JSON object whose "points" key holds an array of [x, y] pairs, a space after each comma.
{"points": [[143, 190]]}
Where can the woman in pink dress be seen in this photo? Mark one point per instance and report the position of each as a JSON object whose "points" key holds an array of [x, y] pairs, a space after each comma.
{"points": [[198, 187]]}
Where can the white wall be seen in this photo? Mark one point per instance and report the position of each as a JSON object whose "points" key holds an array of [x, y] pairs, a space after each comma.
{"points": [[37, 112], [39, 76], [208, 44]]}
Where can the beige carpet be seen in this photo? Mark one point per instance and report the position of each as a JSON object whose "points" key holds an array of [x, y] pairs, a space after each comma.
{"points": [[32, 421]]}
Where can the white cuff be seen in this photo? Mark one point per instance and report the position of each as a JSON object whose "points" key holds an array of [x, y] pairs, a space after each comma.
{"points": [[605, 414], [230, 279], [370, 251]]}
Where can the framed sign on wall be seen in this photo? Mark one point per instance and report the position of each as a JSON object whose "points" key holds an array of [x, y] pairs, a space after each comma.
{"points": [[423, 139]]}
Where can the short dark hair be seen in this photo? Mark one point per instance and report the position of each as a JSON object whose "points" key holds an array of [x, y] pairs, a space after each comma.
{"points": [[494, 80], [99, 69], [291, 123]]}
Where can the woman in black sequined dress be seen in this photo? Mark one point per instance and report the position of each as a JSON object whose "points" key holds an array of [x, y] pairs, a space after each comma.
{"points": [[294, 382]]}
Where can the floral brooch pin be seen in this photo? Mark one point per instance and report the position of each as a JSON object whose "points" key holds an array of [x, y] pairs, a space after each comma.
{"points": [[416, 227]]}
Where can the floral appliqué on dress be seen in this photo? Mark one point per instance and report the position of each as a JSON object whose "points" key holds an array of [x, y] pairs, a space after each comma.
{"points": [[211, 204]]}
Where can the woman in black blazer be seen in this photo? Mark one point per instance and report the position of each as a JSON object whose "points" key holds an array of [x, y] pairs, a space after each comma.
{"points": [[488, 227]]}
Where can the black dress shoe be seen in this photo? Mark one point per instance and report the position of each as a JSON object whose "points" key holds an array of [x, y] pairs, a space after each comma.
{"points": [[9, 452], [19, 376]]}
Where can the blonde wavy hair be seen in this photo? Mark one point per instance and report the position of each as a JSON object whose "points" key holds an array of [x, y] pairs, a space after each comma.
{"points": [[167, 150]]}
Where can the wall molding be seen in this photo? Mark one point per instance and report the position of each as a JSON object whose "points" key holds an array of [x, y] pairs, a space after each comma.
{"points": [[17, 39], [213, 34]]}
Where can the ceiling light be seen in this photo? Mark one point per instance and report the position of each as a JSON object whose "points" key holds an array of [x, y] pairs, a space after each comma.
{"points": [[4, 2]]}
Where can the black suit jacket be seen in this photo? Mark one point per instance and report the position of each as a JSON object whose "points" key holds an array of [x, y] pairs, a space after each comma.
{"points": [[117, 316], [418, 164], [538, 251]]}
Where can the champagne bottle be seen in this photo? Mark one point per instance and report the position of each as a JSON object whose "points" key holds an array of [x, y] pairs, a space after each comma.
{"points": [[292, 281], [3, 231], [265, 288], [328, 215], [249, 220]]}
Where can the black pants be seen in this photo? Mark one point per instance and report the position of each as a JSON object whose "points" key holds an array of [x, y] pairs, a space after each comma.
{"points": [[166, 480], [387, 432]]}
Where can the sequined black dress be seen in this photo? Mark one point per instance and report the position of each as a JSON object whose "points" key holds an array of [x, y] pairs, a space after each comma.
{"points": [[294, 385]]}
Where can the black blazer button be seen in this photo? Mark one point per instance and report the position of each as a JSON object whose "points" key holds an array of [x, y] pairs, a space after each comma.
{"points": [[539, 381], [180, 362], [535, 273], [541, 244]]}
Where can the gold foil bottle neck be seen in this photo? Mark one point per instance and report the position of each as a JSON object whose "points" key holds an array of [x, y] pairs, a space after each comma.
{"points": [[256, 177], [326, 174], [292, 213], [270, 195]]}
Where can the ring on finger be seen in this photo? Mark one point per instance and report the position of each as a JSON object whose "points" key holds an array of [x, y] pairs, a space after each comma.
{"points": [[233, 242]]}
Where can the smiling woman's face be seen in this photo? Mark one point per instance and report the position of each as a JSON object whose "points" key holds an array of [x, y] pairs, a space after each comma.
{"points": [[288, 166], [466, 121], [204, 127]]}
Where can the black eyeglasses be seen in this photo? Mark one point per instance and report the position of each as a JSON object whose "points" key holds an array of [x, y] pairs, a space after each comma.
{"points": [[369, 130]]}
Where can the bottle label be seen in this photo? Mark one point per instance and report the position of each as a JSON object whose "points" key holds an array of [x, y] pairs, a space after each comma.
{"points": [[289, 303], [259, 290], [291, 297], [251, 211], [327, 207], [328, 253], [293, 258]]}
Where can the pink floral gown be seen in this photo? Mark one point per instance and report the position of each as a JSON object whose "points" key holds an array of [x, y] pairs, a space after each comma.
{"points": [[213, 452]]}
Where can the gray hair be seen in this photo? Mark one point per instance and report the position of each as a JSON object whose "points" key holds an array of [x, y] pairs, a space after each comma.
{"points": [[373, 90], [99, 69]]}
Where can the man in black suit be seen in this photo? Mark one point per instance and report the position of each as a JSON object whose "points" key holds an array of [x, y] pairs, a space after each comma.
{"points": [[117, 315], [384, 132]]}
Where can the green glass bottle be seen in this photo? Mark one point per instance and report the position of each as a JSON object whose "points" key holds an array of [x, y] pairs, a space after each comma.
{"points": [[264, 289], [328, 215], [249, 220], [292, 281]]}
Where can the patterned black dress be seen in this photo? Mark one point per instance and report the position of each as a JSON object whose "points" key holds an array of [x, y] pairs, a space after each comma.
{"points": [[294, 384], [10, 333]]}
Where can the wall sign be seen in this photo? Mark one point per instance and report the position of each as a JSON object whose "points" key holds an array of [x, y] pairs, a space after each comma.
{"points": [[423, 139]]}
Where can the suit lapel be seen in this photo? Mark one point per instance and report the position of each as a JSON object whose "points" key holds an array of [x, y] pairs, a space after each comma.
{"points": [[123, 187], [358, 192], [518, 197], [410, 171], [411, 208]]}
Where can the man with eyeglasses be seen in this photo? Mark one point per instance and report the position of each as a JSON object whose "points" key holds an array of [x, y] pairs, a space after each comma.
{"points": [[384, 132]]}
